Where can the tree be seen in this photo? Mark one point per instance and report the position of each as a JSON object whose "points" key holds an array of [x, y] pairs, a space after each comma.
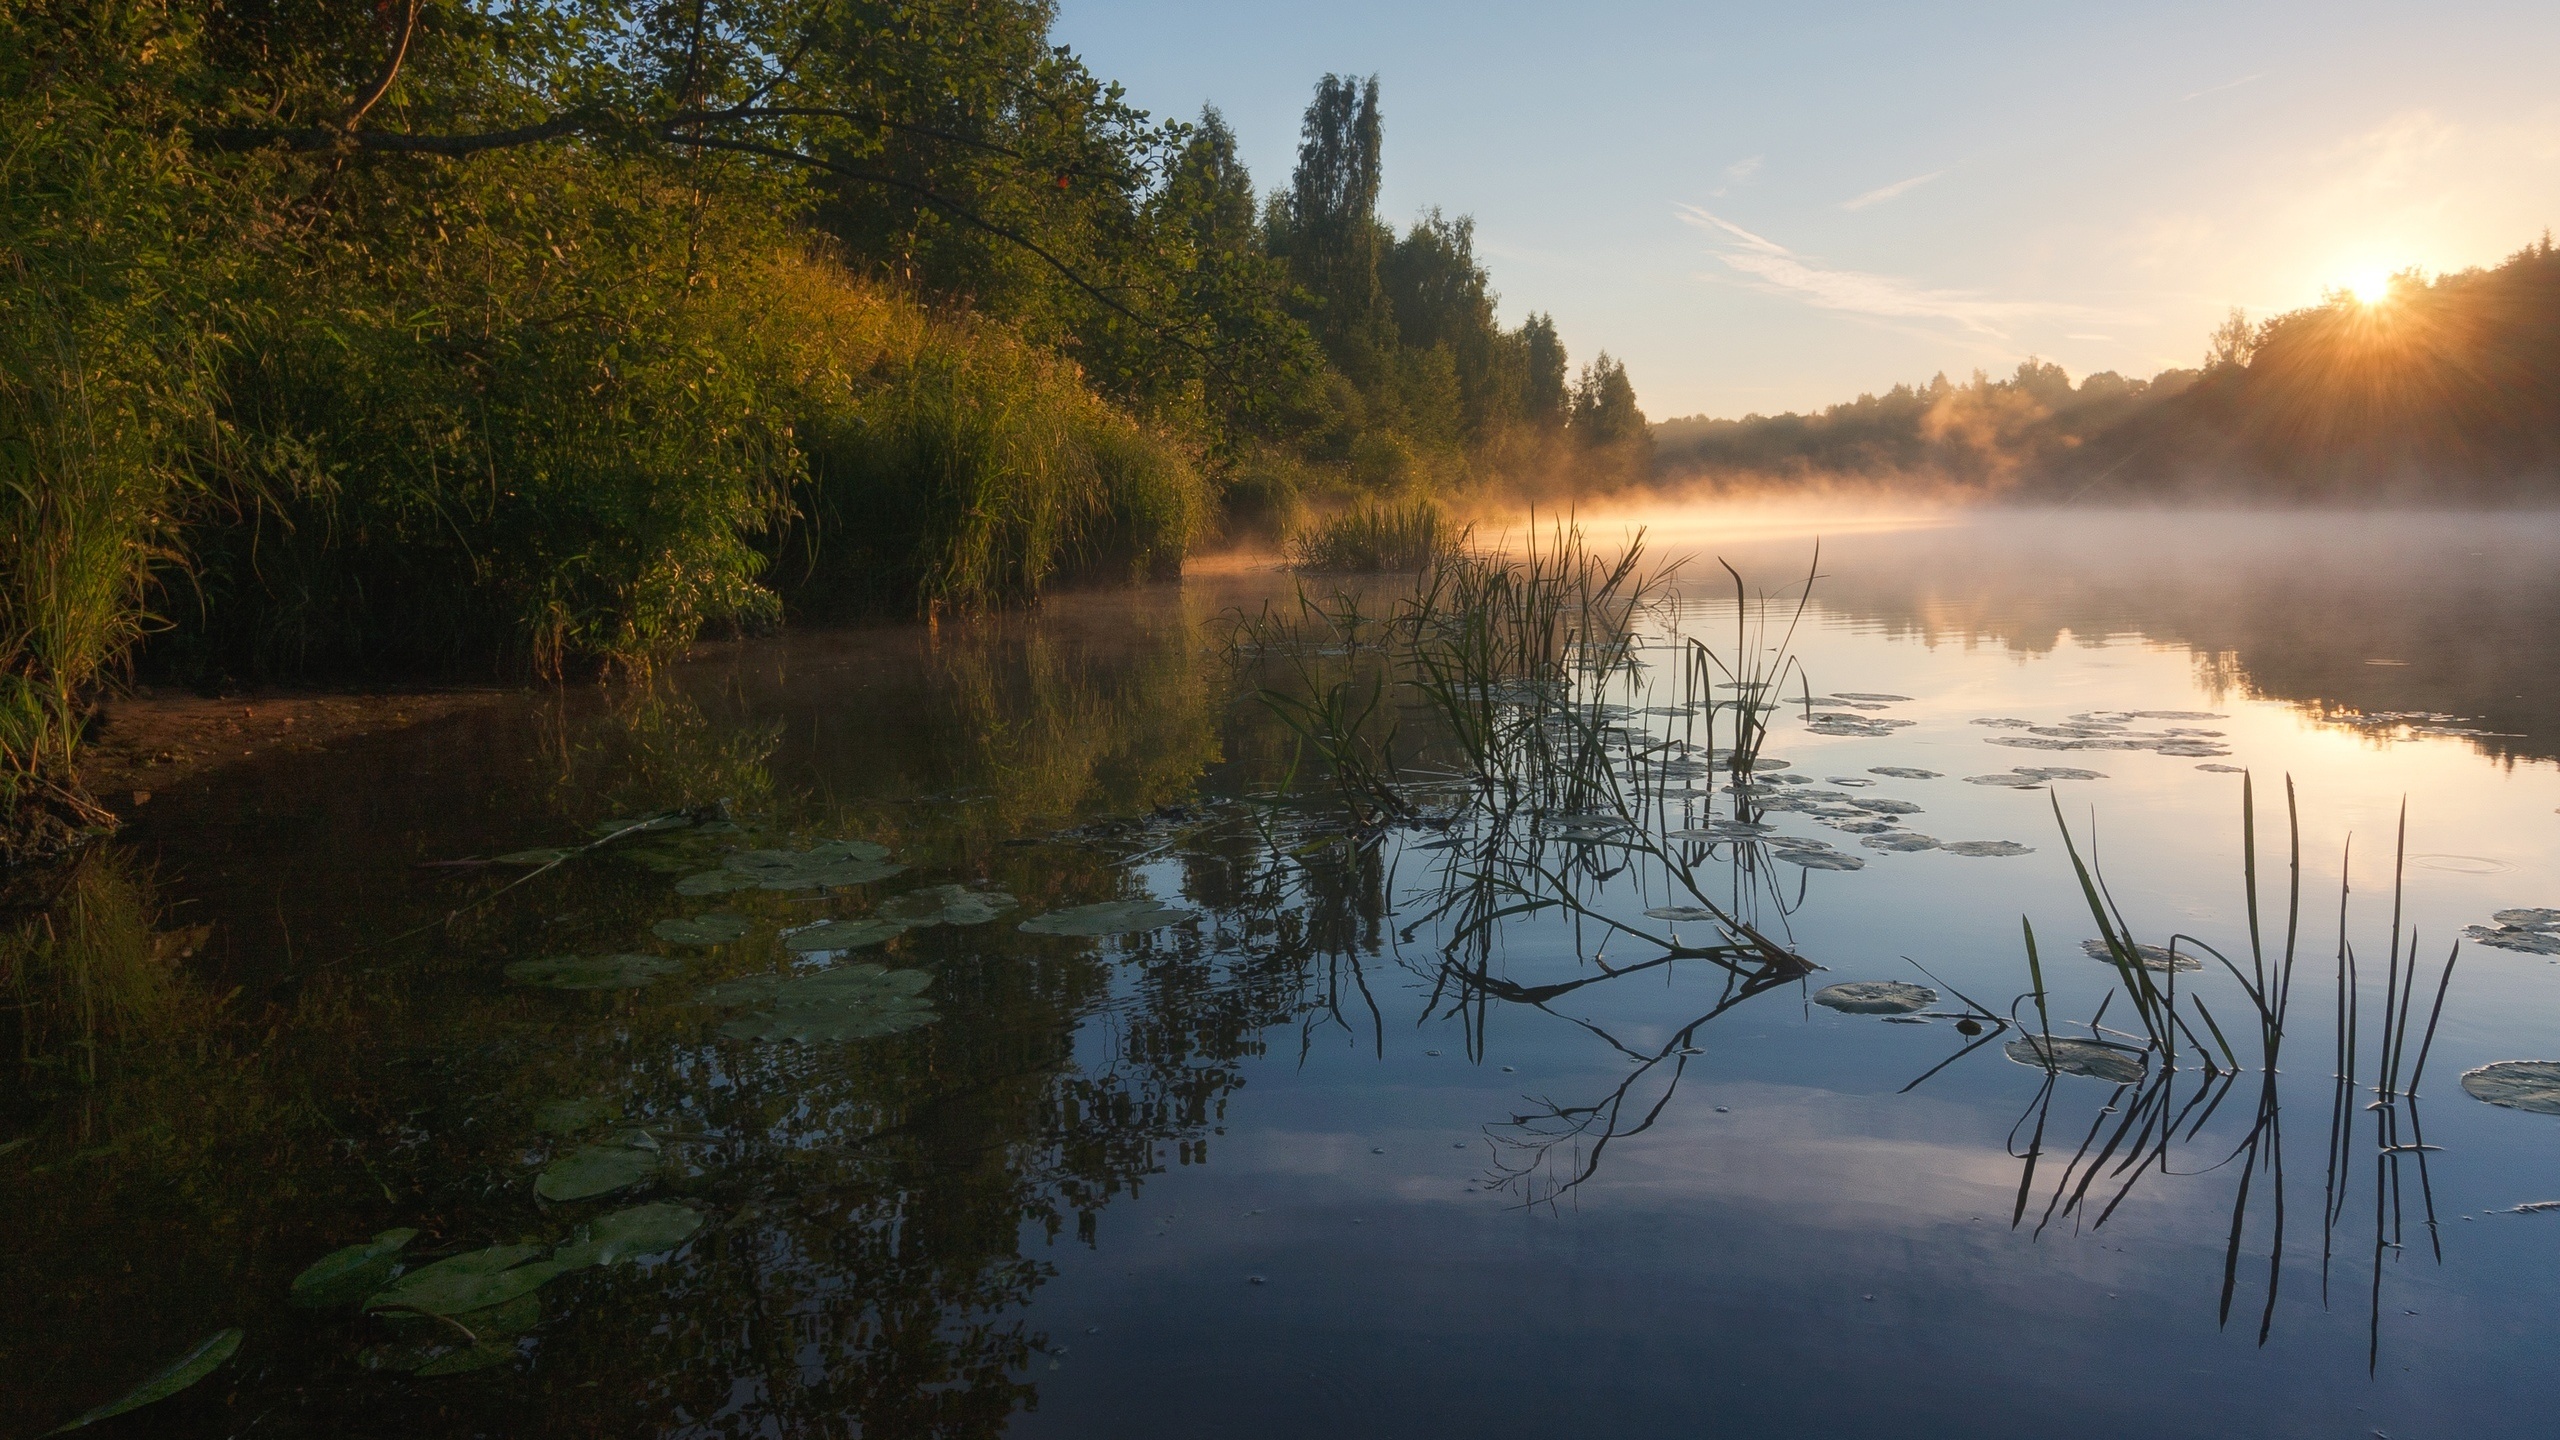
{"points": [[2233, 342]]}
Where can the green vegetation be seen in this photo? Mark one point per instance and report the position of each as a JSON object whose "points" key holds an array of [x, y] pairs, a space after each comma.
{"points": [[2445, 389], [1375, 536], [535, 338]]}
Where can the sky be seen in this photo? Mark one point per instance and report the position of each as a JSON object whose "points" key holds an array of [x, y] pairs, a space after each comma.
{"points": [[1769, 207]]}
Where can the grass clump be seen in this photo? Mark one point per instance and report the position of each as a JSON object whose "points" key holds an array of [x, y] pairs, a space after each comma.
{"points": [[1376, 537]]}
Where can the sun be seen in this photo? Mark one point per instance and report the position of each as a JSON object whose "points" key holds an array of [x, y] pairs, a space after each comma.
{"points": [[2371, 288]]}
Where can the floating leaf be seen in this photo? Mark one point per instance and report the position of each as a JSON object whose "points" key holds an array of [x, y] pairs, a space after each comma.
{"points": [[1680, 912], [1902, 772], [1879, 805], [836, 862], [1900, 841], [2537, 918], [343, 1277], [592, 1170], [1985, 847], [946, 905], [2526, 941], [592, 972], [2225, 769], [1876, 997], [472, 1281], [2152, 957], [628, 1235], [568, 1117], [182, 1372], [714, 882], [852, 1002], [1110, 917], [1822, 859], [843, 934], [2096, 1059], [716, 928], [1861, 695], [1859, 824], [435, 1355], [2517, 1084]]}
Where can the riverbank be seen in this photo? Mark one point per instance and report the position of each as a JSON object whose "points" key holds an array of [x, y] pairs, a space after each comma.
{"points": [[155, 738]]}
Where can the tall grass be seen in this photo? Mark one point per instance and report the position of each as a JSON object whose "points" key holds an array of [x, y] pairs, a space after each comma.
{"points": [[1376, 537], [82, 968]]}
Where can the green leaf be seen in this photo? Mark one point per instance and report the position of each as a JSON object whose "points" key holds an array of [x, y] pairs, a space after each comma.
{"points": [[946, 905], [852, 1002], [2096, 1059], [716, 928], [628, 1235], [472, 1281], [843, 934], [1110, 917], [568, 1117], [593, 1170], [1876, 997], [592, 972], [182, 1372], [344, 1277], [2532, 1085]]}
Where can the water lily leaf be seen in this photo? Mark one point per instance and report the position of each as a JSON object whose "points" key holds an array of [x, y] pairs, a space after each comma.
{"points": [[1902, 772], [716, 928], [432, 1353], [1879, 805], [843, 934], [2153, 957], [180, 1373], [1859, 824], [851, 1002], [1821, 859], [592, 1170], [628, 1235], [946, 905], [568, 1117], [1901, 841], [1985, 847], [2534, 941], [592, 972], [2094, 1058], [1679, 912], [836, 862], [532, 857], [2517, 1084], [1861, 695], [343, 1277], [2536, 918], [1876, 997], [714, 882], [472, 1281], [2224, 769], [1110, 917]]}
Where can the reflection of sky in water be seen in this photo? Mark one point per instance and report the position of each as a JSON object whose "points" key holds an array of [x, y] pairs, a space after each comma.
{"points": [[1782, 1243], [1791, 1243]]}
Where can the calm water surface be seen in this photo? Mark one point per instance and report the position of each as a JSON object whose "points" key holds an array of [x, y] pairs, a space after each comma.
{"points": [[1312, 1161]]}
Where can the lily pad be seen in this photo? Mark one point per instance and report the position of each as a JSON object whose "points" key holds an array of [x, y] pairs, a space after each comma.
{"points": [[1880, 805], [2096, 1059], [2533, 918], [2517, 1084], [836, 862], [592, 972], [628, 1235], [2153, 957], [2502, 937], [343, 1277], [716, 928], [1876, 997], [1866, 695], [2009, 779], [1679, 912], [714, 882], [592, 1170], [1899, 841], [180, 1373], [1985, 847], [2225, 769], [1821, 859], [433, 1354], [1902, 772], [472, 1281], [843, 934], [568, 1117], [851, 1002], [1859, 824], [946, 905], [1110, 917]]}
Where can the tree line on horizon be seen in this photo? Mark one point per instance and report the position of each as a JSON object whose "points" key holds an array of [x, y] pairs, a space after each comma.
{"points": [[2444, 389], [535, 336]]}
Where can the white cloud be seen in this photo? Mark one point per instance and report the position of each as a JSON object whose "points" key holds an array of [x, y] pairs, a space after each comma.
{"points": [[1897, 189], [1782, 271], [1741, 170], [2218, 89]]}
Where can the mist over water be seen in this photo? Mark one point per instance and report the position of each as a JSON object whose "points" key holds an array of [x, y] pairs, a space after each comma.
{"points": [[1316, 1152]]}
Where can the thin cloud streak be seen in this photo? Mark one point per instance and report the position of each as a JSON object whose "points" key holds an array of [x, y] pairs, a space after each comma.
{"points": [[1781, 271], [2218, 89], [1897, 189]]}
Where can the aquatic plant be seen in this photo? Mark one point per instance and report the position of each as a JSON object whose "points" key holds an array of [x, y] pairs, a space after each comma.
{"points": [[1375, 537], [84, 970]]}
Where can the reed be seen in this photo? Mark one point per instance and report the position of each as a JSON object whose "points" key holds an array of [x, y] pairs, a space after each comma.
{"points": [[1374, 538]]}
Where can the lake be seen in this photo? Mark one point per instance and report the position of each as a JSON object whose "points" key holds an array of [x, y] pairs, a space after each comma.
{"points": [[1015, 1027]]}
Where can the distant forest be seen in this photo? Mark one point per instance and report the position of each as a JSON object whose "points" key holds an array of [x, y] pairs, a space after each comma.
{"points": [[2445, 388]]}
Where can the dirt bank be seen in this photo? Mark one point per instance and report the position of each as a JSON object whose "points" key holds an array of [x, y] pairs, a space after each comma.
{"points": [[152, 739]]}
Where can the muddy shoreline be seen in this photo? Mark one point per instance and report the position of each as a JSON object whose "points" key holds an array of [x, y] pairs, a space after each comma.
{"points": [[152, 739]]}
